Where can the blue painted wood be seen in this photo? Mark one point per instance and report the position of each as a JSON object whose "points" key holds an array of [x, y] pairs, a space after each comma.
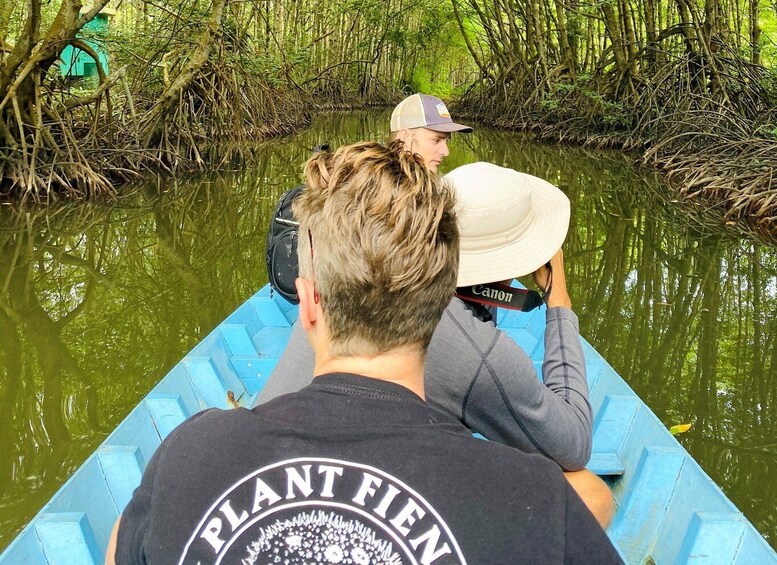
{"points": [[247, 317], [289, 310], [85, 492], [605, 464], [523, 337], [123, 467], [167, 411], [67, 539], [608, 383], [669, 511], [178, 383], [137, 429], [210, 387], [593, 369], [692, 498], [713, 538], [270, 313], [26, 549], [643, 507], [237, 339], [591, 354], [538, 369], [253, 371], [270, 342], [613, 422], [511, 319], [753, 549], [536, 323], [214, 350]]}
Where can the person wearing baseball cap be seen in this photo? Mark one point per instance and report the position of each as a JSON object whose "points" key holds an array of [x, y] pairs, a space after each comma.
{"points": [[423, 123]]}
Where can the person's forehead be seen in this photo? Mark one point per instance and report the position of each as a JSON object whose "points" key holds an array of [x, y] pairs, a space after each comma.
{"points": [[431, 134]]}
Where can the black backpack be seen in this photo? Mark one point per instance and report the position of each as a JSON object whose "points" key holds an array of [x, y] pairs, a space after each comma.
{"points": [[281, 249], [281, 253]]}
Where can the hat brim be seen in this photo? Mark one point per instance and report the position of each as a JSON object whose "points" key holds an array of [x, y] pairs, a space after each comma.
{"points": [[449, 127], [535, 248]]}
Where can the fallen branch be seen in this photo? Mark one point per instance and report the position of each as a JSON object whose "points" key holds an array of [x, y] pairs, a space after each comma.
{"points": [[77, 102]]}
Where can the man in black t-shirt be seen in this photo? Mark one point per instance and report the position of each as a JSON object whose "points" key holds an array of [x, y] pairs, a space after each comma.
{"points": [[357, 468]]}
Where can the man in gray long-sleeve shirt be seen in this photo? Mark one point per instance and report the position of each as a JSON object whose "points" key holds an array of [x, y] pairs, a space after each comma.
{"points": [[476, 372]]}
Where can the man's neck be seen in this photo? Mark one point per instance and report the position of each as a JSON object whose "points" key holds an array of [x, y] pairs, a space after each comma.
{"points": [[400, 366]]}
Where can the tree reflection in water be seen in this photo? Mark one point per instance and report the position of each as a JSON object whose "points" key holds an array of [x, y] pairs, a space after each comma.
{"points": [[98, 303]]}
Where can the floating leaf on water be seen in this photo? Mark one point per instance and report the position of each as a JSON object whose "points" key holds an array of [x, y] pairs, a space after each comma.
{"points": [[679, 429]]}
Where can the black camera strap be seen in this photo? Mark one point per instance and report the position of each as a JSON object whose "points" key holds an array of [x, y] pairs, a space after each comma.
{"points": [[503, 296]]}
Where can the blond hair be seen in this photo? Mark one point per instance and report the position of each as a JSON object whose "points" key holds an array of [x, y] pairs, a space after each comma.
{"points": [[385, 246]]}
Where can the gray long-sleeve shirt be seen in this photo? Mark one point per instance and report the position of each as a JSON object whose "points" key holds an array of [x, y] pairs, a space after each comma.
{"points": [[477, 373]]}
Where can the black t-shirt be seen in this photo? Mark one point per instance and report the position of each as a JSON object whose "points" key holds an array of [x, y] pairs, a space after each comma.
{"points": [[351, 470]]}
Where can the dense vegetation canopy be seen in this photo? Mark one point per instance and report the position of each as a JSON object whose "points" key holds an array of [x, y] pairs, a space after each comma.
{"points": [[690, 84]]}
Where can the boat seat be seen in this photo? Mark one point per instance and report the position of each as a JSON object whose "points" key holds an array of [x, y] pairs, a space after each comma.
{"points": [[605, 464], [273, 311], [167, 412], [209, 384], [237, 339], [67, 538], [123, 467], [648, 497], [722, 531], [253, 359]]}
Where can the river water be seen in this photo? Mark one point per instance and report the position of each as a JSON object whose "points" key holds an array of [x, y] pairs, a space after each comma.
{"points": [[98, 302]]}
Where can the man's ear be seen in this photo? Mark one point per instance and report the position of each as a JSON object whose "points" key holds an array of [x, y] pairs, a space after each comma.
{"points": [[308, 303], [404, 136]]}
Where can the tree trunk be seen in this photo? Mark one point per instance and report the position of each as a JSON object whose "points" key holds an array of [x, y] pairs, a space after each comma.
{"points": [[613, 30], [755, 32], [154, 125], [567, 53]]}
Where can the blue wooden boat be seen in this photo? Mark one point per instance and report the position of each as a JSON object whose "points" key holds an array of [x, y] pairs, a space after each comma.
{"points": [[669, 510]]}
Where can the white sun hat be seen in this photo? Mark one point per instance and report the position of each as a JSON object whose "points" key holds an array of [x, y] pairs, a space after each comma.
{"points": [[510, 223]]}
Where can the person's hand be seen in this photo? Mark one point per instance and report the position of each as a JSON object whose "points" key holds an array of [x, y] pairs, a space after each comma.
{"points": [[556, 279]]}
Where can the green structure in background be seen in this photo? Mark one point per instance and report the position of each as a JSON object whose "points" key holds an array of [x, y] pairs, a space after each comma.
{"points": [[76, 63]]}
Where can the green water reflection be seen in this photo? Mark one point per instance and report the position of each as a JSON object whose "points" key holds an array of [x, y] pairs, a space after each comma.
{"points": [[97, 303]]}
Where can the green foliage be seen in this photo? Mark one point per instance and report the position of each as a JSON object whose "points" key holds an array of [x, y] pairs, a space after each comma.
{"points": [[567, 100], [768, 22], [548, 103], [337, 47]]}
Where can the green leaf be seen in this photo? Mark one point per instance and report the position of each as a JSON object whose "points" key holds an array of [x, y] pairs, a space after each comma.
{"points": [[679, 429]]}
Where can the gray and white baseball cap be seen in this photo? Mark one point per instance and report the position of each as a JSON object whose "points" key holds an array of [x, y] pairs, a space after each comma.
{"points": [[424, 111]]}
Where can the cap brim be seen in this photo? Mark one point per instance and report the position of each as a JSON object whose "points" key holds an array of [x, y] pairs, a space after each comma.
{"points": [[449, 127], [518, 258]]}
